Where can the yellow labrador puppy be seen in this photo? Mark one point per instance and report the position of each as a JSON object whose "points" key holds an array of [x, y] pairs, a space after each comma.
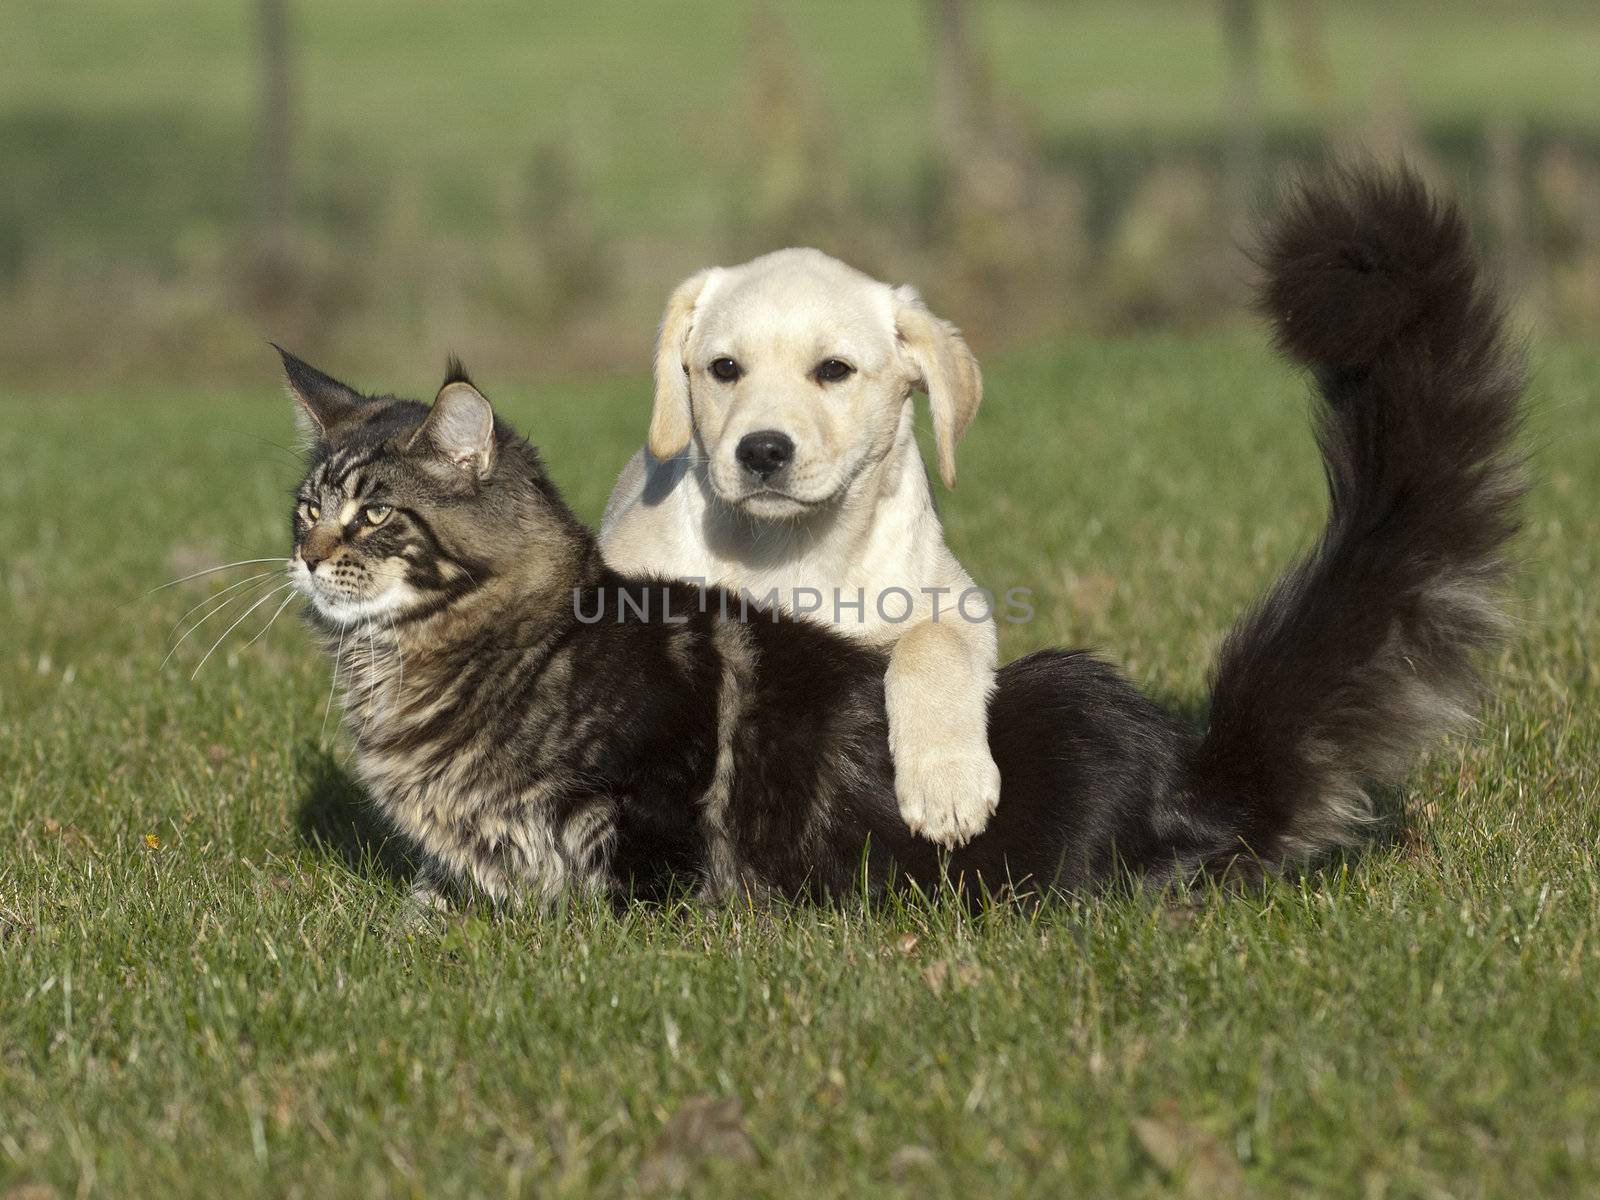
{"points": [[782, 464]]}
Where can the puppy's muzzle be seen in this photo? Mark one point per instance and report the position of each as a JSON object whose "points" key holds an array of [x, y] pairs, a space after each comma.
{"points": [[765, 452]]}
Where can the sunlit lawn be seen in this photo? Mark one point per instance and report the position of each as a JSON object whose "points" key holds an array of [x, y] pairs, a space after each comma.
{"points": [[205, 990]]}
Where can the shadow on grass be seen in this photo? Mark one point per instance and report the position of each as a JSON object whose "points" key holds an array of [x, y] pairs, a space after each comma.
{"points": [[1390, 827], [336, 817]]}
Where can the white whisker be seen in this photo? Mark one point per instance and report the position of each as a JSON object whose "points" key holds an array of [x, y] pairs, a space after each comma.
{"points": [[243, 562], [287, 600], [333, 683], [231, 587], [372, 683], [397, 689], [214, 611], [235, 625]]}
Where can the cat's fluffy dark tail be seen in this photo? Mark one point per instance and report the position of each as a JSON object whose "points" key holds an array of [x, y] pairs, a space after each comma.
{"points": [[1364, 652]]}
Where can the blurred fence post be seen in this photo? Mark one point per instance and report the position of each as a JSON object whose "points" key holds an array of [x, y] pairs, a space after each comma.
{"points": [[275, 195], [954, 80], [1308, 50], [1507, 211], [1245, 156]]}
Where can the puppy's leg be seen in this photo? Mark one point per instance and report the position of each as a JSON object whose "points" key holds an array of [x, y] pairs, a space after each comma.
{"points": [[937, 694]]}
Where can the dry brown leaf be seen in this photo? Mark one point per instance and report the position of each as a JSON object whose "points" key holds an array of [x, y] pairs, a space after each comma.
{"points": [[703, 1127], [71, 836], [958, 975], [1197, 1160], [1180, 914], [908, 1159], [1091, 593], [13, 924]]}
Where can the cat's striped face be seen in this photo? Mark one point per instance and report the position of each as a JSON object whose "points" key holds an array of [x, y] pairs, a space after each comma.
{"points": [[364, 547], [397, 515]]}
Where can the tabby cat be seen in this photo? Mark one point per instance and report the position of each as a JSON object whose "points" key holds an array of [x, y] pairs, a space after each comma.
{"points": [[535, 722]]}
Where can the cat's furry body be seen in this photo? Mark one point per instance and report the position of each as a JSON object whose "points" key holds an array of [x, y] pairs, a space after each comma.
{"points": [[518, 718]]}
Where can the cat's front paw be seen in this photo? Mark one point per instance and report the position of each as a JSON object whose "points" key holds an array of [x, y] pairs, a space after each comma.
{"points": [[947, 793], [427, 901]]}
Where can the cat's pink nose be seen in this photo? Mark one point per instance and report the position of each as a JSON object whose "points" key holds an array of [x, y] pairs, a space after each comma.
{"points": [[318, 547]]}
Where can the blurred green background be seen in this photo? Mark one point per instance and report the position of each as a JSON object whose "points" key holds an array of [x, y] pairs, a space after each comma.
{"points": [[378, 182]]}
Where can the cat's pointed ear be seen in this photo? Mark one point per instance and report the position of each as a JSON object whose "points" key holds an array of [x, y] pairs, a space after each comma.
{"points": [[460, 426], [324, 407]]}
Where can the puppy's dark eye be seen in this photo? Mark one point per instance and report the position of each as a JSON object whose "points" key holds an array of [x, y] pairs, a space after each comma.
{"points": [[725, 369], [831, 370]]}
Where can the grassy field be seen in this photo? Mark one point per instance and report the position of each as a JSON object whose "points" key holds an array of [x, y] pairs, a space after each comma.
{"points": [[120, 117], [206, 989]]}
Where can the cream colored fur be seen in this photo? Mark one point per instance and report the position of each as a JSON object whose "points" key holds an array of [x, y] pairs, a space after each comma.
{"points": [[853, 511]]}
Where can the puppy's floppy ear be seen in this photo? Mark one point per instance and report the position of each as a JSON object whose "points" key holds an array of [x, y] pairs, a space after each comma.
{"points": [[460, 426], [324, 408], [945, 369], [671, 423]]}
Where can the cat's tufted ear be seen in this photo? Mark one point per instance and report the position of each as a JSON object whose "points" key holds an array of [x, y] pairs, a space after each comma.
{"points": [[944, 368], [324, 407], [460, 426]]}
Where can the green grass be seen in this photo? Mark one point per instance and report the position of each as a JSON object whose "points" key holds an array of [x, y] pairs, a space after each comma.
{"points": [[240, 1011], [118, 117]]}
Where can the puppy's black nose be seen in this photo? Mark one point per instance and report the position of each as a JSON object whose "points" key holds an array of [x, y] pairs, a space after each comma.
{"points": [[765, 452]]}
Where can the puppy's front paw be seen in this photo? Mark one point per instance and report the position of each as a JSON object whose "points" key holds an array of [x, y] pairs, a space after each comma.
{"points": [[947, 793]]}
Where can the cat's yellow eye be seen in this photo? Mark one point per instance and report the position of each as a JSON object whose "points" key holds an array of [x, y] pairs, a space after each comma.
{"points": [[377, 514], [311, 512]]}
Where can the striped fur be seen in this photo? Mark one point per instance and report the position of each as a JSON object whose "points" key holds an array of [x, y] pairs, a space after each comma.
{"points": [[537, 723]]}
